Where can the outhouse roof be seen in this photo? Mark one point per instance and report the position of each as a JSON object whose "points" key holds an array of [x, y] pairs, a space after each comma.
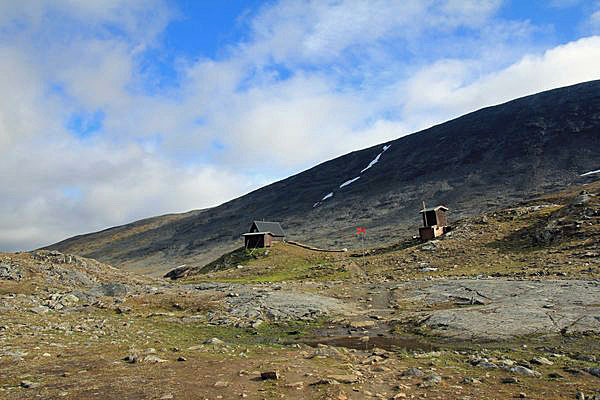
{"points": [[434, 209]]}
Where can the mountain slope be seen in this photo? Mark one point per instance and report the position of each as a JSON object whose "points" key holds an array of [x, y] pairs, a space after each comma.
{"points": [[485, 159]]}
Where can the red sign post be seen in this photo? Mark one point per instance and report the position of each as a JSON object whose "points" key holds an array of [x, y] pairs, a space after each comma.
{"points": [[361, 231]]}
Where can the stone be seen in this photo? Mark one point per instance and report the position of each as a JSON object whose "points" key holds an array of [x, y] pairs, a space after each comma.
{"points": [[585, 357], [153, 359], [413, 372], [256, 324], [39, 310], [541, 361], [11, 272], [347, 379], [269, 375], [111, 290], [131, 359], [69, 299], [325, 382], [400, 395], [221, 384], [177, 272], [433, 379], [519, 369], [28, 384], [181, 358], [362, 324], [214, 341], [593, 371], [522, 395], [580, 396], [487, 364], [572, 371], [510, 380]]}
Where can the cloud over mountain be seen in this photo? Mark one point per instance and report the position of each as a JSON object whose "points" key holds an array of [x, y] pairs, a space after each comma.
{"points": [[94, 132]]}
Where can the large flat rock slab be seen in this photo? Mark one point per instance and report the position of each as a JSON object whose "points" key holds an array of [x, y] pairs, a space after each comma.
{"points": [[500, 309]]}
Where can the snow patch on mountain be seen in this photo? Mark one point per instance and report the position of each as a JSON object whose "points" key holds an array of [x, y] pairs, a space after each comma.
{"points": [[348, 182], [591, 173]]}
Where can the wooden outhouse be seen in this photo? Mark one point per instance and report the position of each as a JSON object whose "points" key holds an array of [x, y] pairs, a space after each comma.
{"points": [[435, 222]]}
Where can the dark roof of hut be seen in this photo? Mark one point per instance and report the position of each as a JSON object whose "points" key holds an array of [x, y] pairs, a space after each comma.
{"points": [[273, 227]]}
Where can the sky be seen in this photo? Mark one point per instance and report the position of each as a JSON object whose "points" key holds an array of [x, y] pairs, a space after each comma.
{"points": [[116, 110]]}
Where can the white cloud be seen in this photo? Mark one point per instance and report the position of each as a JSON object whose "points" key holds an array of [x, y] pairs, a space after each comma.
{"points": [[315, 79]]}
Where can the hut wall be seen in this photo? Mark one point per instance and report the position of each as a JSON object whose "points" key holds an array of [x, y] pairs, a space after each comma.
{"points": [[442, 220]]}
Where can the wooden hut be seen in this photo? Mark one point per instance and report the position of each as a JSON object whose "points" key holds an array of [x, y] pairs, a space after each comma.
{"points": [[435, 222], [253, 240], [263, 234]]}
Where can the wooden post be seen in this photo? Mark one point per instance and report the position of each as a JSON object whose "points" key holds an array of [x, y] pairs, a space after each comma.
{"points": [[363, 248]]}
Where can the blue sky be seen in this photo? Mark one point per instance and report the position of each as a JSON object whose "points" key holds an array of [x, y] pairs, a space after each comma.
{"points": [[123, 109]]}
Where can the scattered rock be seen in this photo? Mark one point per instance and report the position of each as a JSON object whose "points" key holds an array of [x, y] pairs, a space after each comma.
{"points": [[221, 384], [593, 371], [541, 361], [181, 358], [487, 364], [111, 290], [325, 382], [580, 396], [131, 359], [510, 380], [153, 359], [256, 324], [28, 384], [413, 372], [519, 369], [362, 324], [214, 341], [269, 375], [39, 310], [347, 379], [433, 379], [11, 272], [178, 272], [585, 357], [572, 371]]}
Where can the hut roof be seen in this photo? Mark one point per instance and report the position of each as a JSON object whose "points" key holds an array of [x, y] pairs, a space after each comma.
{"points": [[434, 209], [272, 227], [257, 233]]}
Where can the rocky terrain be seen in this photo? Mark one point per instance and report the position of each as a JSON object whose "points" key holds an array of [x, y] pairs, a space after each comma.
{"points": [[480, 162], [507, 305]]}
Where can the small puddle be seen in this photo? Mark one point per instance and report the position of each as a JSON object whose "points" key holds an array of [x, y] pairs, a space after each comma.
{"points": [[389, 343]]}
